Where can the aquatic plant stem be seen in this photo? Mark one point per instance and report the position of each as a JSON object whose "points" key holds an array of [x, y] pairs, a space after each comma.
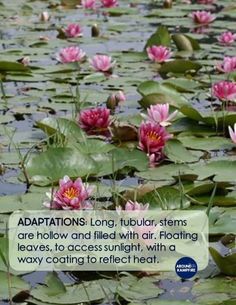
{"points": [[181, 191], [6, 263], [210, 204], [86, 292], [3, 92]]}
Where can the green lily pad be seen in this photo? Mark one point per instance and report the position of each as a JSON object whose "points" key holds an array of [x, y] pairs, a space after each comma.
{"points": [[166, 197], [61, 126], [119, 159], [182, 84], [133, 289], [56, 286], [222, 171], [180, 66], [88, 145], [168, 172], [7, 66], [160, 37], [176, 152], [119, 11], [75, 294], [185, 42], [214, 285], [226, 264], [207, 143], [154, 92], [17, 285], [55, 163], [222, 221], [29, 201]]}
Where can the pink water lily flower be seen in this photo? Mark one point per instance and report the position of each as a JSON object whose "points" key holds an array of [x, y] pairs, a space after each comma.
{"points": [[94, 120], [152, 137], [228, 65], [160, 114], [88, 4], [202, 17], [158, 53], [232, 133], [227, 38], [73, 30], [102, 63], [109, 3], [120, 96], [205, 1], [70, 54], [71, 195], [224, 90], [134, 206]]}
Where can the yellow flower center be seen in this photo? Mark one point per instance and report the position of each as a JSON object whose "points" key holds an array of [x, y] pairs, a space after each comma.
{"points": [[71, 193], [152, 135]]}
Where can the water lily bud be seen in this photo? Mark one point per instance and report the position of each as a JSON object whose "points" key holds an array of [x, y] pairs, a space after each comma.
{"points": [[95, 30], [112, 102], [167, 4], [2, 169], [24, 60], [44, 38], [45, 16]]}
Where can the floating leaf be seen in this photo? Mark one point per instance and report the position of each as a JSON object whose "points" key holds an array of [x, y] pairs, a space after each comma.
{"points": [[133, 289], [29, 201], [17, 285], [166, 198], [55, 163], [226, 264], [221, 171], [222, 221], [207, 143], [119, 159], [180, 66], [168, 172], [87, 146], [56, 286], [7, 66], [185, 42], [176, 152], [62, 126], [119, 11], [76, 294], [214, 285], [160, 37], [154, 93]]}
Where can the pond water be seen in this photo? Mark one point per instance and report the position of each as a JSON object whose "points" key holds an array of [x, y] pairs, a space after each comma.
{"points": [[50, 90]]}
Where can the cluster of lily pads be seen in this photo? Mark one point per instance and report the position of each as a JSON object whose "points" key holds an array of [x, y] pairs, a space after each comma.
{"points": [[126, 105]]}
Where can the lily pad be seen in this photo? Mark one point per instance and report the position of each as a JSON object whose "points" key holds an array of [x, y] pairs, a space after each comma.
{"points": [[75, 294], [17, 285], [176, 152], [185, 42], [133, 289], [62, 126], [226, 264], [166, 198], [154, 92], [160, 37], [180, 66], [55, 163], [7, 66]]}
